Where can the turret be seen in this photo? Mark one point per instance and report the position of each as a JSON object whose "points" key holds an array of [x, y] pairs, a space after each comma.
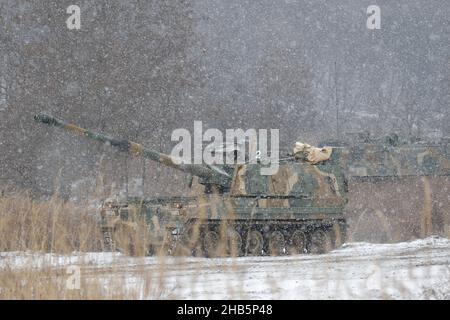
{"points": [[390, 156]]}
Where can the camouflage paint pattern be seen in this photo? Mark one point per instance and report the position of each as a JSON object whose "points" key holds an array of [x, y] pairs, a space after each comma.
{"points": [[379, 178], [398, 190], [375, 160], [299, 191]]}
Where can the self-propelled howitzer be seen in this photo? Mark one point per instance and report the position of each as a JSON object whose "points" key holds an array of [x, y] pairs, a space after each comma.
{"points": [[235, 209], [398, 186]]}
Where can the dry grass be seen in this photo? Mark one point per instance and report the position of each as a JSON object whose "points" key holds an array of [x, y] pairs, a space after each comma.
{"points": [[55, 227], [47, 226], [52, 284]]}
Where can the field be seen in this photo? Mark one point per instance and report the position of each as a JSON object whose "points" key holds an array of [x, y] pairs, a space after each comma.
{"points": [[51, 250], [411, 270]]}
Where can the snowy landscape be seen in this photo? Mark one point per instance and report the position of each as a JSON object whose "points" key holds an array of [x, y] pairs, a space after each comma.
{"points": [[98, 97], [418, 269]]}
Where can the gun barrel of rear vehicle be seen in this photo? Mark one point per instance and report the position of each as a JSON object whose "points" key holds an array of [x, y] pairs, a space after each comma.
{"points": [[135, 149]]}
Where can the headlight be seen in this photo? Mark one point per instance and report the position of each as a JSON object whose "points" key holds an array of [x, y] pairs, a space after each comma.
{"points": [[109, 209], [108, 205]]}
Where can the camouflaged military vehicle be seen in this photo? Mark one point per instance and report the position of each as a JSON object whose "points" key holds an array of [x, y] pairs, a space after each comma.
{"points": [[396, 189], [234, 210]]}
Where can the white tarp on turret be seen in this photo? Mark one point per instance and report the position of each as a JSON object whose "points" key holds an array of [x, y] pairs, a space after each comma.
{"points": [[311, 154]]}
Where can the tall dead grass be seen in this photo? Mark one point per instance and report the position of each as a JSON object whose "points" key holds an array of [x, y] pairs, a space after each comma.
{"points": [[36, 231], [48, 226], [61, 228]]}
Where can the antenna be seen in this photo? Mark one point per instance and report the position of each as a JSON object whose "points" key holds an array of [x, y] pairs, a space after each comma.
{"points": [[336, 98]]}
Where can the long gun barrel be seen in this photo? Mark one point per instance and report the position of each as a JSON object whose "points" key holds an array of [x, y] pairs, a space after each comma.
{"points": [[211, 174]]}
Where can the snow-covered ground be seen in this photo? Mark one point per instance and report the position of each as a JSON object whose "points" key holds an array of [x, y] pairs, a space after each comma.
{"points": [[411, 270]]}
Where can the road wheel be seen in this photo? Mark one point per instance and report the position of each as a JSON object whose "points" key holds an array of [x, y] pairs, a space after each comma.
{"points": [[255, 243], [319, 242], [211, 244], [297, 243], [234, 243], [276, 243]]}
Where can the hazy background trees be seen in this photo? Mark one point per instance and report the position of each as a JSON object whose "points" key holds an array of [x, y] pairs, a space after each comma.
{"points": [[139, 69]]}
